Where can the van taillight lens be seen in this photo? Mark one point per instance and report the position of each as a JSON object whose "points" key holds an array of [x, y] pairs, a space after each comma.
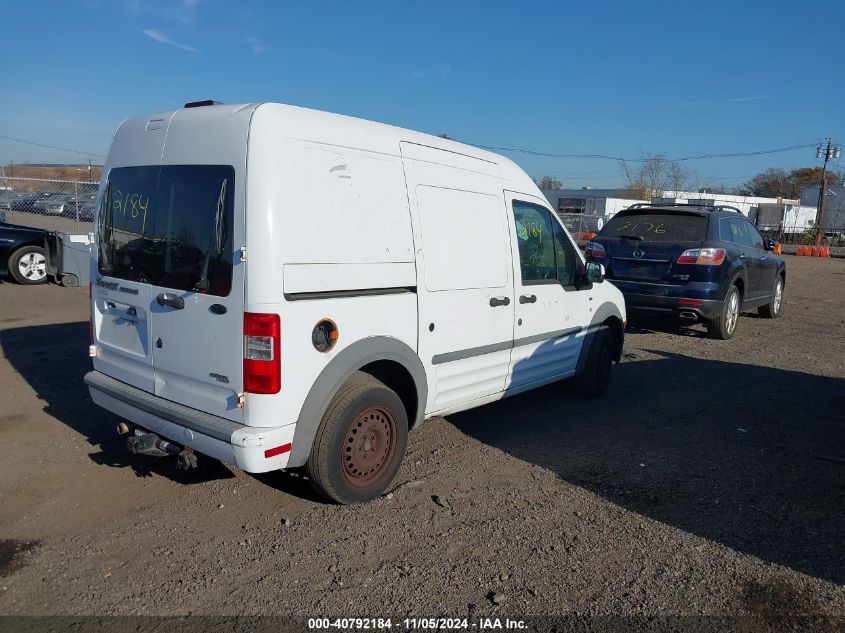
{"points": [[262, 364], [703, 256], [594, 250]]}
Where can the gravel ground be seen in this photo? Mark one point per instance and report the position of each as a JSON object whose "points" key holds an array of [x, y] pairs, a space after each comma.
{"points": [[710, 480]]}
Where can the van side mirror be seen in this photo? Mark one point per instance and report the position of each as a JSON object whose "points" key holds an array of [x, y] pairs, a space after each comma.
{"points": [[769, 245], [595, 272]]}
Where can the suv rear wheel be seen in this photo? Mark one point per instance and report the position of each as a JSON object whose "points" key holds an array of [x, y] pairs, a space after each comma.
{"points": [[724, 325], [360, 442], [772, 309]]}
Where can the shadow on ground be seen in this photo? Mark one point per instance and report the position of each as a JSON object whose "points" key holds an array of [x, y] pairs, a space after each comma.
{"points": [[53, 359], [746, 456]]}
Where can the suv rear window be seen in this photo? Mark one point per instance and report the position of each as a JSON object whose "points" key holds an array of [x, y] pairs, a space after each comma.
{"points": [[657, 227], [169, 226]]}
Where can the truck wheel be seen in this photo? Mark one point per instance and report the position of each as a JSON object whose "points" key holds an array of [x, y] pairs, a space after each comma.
{"points": [[772, 309], [360, 443], [594, 380], [724, 325], [28, 265]]}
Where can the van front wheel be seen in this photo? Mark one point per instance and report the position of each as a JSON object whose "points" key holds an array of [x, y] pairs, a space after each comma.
{"points": [[595, 377], [360, 443]]}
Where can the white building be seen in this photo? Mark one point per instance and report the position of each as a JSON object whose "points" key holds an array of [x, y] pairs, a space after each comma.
{"points": [[781, 213]]}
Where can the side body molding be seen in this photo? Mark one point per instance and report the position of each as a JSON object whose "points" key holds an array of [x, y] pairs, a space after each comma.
{"points": [[605, 310], [346, 363]]}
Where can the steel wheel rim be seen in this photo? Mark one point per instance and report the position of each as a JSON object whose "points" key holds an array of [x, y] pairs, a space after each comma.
{"points": [[369, 446], [733, 312], [33, 266], [778, 295]]}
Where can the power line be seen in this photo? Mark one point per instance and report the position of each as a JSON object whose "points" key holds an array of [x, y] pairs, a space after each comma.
{"points": [[522, 150], [62, 149]]}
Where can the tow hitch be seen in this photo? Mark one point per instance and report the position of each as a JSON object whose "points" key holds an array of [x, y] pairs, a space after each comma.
{"points": [[142, 442]]}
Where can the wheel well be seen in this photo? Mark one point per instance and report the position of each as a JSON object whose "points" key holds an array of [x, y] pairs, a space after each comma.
{"points": [[396, 377], [740, 286], [617, 336]]}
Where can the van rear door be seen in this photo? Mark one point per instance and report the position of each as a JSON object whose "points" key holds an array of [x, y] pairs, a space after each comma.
{"points": [[171, 234], [197, 297], [120, 292]]}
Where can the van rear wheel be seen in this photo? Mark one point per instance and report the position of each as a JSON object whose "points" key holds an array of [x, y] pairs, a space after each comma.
{"points": [[360, 443]]}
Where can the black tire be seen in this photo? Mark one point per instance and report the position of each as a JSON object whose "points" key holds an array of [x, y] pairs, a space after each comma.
{"points": [[364, 421], [772, 309], [723, 327], [28, 266], [595, 378]]}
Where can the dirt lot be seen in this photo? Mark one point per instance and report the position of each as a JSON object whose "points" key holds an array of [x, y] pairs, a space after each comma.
{"points": [[710, 480]]}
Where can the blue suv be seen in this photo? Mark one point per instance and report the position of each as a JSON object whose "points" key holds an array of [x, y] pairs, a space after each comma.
{"points": [[695, 263]]}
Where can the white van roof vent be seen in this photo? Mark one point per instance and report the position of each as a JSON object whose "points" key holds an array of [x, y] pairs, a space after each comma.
{"points": [[199, 104]]}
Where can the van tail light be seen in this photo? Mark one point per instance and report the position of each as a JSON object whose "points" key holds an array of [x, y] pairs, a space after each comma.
{"points": [[703, 256], [594, 250], [262, 362]]}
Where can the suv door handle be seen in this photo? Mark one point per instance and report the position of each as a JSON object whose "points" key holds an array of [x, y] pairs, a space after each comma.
{"points": [[167, 299], [528, 298], [742, 256], [499, 301], [762, 257]]}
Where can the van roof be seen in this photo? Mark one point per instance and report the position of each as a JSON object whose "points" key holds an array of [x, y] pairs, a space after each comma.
{"points": [[338, 129]]}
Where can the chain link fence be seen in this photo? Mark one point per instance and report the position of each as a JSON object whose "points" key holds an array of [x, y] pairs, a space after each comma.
{"points": [[55, 205]]}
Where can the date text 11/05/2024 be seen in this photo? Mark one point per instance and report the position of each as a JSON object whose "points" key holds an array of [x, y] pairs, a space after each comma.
{"points": [[414, 624]]}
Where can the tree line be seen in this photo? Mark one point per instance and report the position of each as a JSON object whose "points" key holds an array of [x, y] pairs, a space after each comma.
{"points": [[657, 174]]}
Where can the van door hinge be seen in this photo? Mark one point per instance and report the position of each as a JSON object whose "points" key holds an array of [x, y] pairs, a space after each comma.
{"points": [[243, 253], [241, 401]]}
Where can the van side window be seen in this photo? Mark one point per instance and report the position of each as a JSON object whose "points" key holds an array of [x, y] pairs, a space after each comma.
{"points": [[535, 236]]}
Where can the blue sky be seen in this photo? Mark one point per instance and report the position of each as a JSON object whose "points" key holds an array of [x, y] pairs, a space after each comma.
{"points": [[614, 78]]}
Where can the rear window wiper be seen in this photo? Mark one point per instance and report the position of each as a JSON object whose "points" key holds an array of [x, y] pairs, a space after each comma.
{"points": [[638, 238]]}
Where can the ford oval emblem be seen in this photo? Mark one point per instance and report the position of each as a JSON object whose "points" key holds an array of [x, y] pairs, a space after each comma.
{"points": [[638, 252]]}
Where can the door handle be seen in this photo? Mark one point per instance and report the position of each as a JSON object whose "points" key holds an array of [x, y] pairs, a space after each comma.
{"points": [[528, 298], [499, 301], [763, 257], [742, 256], [167, 299]]}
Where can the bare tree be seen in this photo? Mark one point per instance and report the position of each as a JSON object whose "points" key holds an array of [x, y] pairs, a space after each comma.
{"points": [[678, 177], [655, 175], [636, 188], [549, 183]]}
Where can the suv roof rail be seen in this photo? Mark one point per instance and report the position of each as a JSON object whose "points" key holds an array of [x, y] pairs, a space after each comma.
{"points": [[707, 207]]}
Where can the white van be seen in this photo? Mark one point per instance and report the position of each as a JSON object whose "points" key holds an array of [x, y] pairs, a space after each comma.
{"points": [[278, 287]]}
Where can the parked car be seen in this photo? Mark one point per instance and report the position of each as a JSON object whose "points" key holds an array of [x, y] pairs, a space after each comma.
{"points": [[382, 277], [22, 253], [52, 203], [83, 203], [22, 201], [694, 263]]}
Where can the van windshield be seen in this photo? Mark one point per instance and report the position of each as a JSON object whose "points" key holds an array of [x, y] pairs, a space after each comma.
{"points": [[169, 226]]}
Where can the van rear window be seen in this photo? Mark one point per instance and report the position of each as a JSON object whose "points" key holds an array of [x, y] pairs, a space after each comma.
{"points": [[169, 226], [657, 227]]}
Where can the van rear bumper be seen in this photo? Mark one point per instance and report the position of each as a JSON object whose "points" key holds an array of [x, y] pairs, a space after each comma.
{"points": [[230, 442]]}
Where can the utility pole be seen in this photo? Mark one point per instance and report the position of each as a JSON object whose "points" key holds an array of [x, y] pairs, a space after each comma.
{"points": [[827, 153]]}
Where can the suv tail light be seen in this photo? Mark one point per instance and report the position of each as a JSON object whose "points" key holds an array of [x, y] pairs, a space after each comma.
{"points": [[703, 256], [262, 364], [594, 250]]}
